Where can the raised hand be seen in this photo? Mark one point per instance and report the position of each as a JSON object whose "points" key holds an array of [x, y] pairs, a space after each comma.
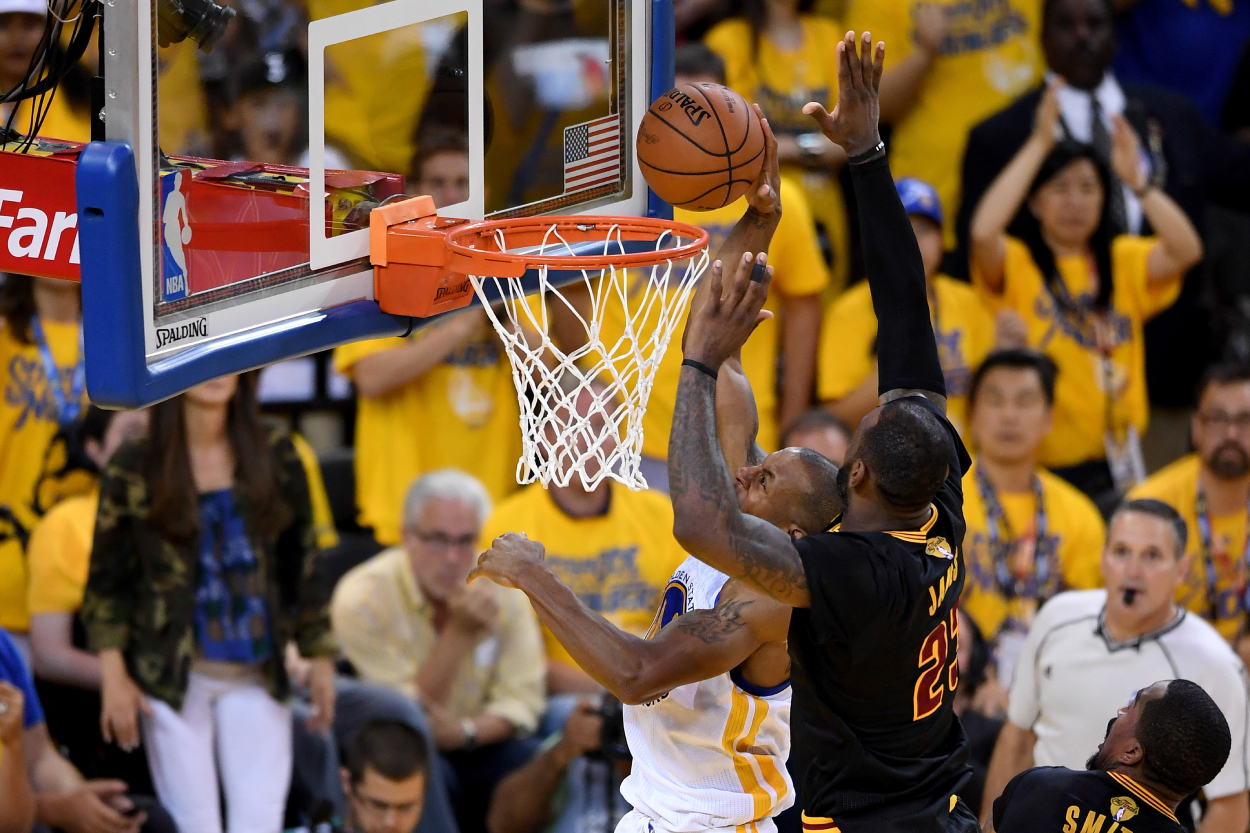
{"points": [[765, 194], [509, 555], [853, 122], [1046, 117], [1126, 154], [719, 327], [932, 26]]}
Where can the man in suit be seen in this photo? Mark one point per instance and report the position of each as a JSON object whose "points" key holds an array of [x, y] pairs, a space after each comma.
{"points": [[1188, 158]]}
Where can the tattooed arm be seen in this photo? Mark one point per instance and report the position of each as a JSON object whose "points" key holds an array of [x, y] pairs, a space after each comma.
{"points": [[707, 520], [694, 646]]}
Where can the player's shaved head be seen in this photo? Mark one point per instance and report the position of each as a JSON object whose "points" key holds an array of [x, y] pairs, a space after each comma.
{"points": [[1186, 737], [821, 501], [794, 489], [907, 452], [1172, 736]]}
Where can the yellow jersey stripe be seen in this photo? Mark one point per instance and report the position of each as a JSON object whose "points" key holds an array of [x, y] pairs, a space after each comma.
{"points": [[1142, 793], [734, 729], [764, 802], [818, 824], [917, 536]]}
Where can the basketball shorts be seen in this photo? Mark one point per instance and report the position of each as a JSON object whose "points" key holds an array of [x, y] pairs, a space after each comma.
{"points": [[636, 822]]}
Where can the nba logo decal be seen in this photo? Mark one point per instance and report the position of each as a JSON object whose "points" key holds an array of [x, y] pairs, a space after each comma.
{"points": [[175, 234]]}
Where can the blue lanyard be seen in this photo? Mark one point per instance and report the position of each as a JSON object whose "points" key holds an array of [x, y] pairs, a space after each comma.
{"points": [[1002, 542], [67, 410], [1204, 532]]}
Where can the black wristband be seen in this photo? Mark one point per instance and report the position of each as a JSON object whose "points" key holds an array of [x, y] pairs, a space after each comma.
{"points": [[868, 155], [699, 366]]}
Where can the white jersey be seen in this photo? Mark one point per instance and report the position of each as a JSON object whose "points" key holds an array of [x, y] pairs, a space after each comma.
{"points": [[710, 754]]}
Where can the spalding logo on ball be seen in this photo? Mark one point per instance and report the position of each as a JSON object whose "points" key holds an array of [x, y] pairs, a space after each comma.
{"points": [[700, 146]]}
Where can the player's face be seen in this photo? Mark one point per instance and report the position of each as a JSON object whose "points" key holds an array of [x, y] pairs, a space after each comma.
{"points": [[1121, 736], [442, 546], [1011, 416], [1069, 205], [445, 177], [1078, 37], [1221, 429], [381, 805], [766, 490], [829, 442], [1140, 565], [214, 394], [929, 239]]}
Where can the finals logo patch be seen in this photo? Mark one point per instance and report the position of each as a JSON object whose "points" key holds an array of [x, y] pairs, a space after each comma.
{"points": [[939, 547], [1123, 808]]}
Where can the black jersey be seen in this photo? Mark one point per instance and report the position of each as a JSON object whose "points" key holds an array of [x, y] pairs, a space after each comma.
{"points": [[876, 740], [1052, 799]]}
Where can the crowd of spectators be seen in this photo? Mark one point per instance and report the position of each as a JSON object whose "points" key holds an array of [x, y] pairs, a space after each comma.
{"points": [[198, 632]]}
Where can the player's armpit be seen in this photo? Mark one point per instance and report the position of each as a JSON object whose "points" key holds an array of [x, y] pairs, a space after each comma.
{"points": [[703, 644]]}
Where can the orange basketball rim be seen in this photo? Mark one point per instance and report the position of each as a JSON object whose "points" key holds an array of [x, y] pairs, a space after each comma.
{"points": [[421, 261]]}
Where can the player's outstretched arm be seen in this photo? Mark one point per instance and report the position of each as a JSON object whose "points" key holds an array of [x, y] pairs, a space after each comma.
{"points": [[907, 357], [706, 518], [694, 646]]}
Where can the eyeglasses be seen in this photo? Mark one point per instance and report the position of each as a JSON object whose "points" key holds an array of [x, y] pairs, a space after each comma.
{"points": [[1222, 421], [443, 541]]}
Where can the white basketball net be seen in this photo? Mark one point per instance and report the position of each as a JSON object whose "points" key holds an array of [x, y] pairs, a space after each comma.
{"points": [[581, 411]]}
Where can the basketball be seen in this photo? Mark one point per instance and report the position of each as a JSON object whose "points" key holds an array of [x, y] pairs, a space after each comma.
{"points": [[700, 146]]}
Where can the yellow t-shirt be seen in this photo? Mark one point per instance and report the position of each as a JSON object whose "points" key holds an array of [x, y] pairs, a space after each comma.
{"points": [[61, 121], [962, 325], [618, 564], [1084, 383], [59, 555], [991, 56], [781, 82], [463, 413], [183, 108], [28, 422], [1074, 540], [323, 518], [1177, 486], [798, 271], [375, 89]]}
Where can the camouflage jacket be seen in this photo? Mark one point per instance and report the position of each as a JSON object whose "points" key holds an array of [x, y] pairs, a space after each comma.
{"points": [[140, 595]]}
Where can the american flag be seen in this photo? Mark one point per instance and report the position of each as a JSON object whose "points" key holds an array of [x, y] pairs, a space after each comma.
{"points": [[592, 154]]}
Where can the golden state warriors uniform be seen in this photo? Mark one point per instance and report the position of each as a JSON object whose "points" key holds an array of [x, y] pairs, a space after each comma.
{"points": [[710, 755]]}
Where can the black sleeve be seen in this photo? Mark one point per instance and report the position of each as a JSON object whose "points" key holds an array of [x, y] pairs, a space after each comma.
{"points": [[1000, 803], [907, 354]]}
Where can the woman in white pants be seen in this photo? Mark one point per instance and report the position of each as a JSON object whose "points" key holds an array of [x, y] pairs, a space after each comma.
{"points": [[201, 572]]}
